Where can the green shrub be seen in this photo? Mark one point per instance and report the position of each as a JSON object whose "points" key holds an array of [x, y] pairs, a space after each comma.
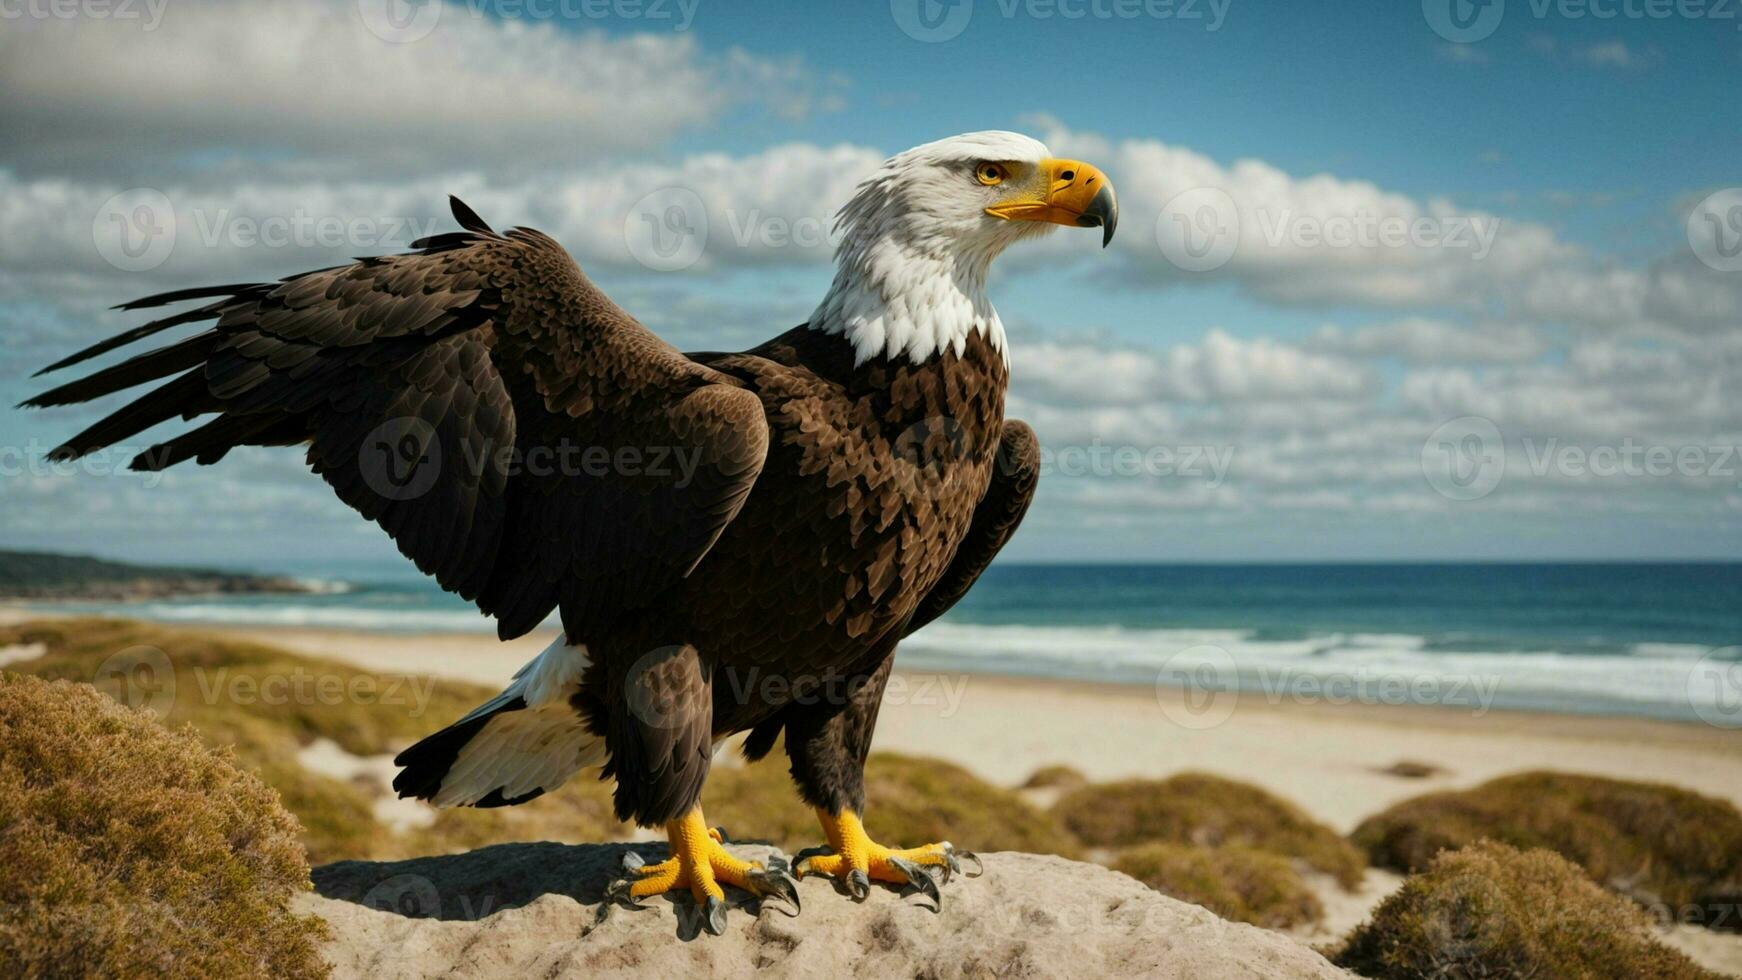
{"points": [[1490, 910], [129, 850], [1656, 843], [1205, 810], [1234, 882]]}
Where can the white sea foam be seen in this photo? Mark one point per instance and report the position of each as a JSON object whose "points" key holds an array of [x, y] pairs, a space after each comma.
{"points": [[1651, 677], [1679, 651], [324, 586], [1365, 666]]}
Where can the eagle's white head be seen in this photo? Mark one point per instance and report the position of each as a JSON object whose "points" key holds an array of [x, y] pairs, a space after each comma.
{"points": [[921, 232]]}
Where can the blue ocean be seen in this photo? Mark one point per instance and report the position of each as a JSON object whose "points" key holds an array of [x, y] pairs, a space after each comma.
{"points": [[1641, 639]]}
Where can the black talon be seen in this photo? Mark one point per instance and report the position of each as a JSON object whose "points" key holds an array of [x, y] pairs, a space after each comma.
{"points": [[919, 878], [951, 865], [776, 883], [818, 850], [714, 916], [979, 865], [802, 860], [725, 838], [619, 891], [859, 885]]}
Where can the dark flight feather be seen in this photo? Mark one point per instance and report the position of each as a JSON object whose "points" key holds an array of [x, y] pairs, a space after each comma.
{"points": [[479, 350]]}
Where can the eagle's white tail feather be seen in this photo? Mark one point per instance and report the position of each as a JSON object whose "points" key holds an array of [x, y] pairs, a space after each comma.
{"points": [[519, 752], [525, 741]]}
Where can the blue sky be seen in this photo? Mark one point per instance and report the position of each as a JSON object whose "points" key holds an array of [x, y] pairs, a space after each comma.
{"points": [[1333, 378]]}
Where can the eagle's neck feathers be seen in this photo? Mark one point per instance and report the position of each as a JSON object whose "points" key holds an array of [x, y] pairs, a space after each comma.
{"points": [[905, 286], [904, 305]]}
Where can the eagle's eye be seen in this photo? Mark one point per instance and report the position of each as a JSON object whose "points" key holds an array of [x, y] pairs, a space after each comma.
{"points": [[990, 173]]}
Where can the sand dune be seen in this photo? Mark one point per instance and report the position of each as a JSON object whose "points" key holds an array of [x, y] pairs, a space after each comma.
{"points": [[1329, 758]]}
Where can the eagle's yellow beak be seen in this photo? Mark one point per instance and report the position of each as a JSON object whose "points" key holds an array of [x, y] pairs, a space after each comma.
{"points": [[1065, 192]]}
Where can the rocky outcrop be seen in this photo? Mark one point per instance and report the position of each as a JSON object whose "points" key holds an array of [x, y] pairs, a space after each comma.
{"points": [[535, 910]]}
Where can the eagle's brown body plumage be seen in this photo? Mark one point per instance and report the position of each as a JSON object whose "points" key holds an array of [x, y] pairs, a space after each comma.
{"points": [[869, 488], [829, 508]]}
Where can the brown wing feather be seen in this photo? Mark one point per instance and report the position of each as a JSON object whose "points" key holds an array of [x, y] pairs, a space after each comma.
{"points": [[995, 519], [481, 400]]}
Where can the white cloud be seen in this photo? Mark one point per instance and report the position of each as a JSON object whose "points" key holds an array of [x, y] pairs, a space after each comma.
{"points": [[308, 84], [1425, 340], [767, 208], [1614, 54], [1536, 334], [1322, 240], [1316, 432], [1220, 368]]}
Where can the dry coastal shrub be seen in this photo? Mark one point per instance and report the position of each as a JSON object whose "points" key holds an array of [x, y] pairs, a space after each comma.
{"points": [[908, 801], [1660, 845], [1235, 882], [1205, 810], [1490, 910], [127, 850]]}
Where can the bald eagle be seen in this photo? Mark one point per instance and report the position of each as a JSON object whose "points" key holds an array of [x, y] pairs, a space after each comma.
{"points": [[734, 542]]}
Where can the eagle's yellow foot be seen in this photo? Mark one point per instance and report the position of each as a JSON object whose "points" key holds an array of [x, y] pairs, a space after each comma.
{"points": [[701, 864], [856, 860]]}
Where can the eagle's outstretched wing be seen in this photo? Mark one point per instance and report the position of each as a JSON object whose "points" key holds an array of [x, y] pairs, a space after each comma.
{"points": [[521, 438], [1014, 478]]}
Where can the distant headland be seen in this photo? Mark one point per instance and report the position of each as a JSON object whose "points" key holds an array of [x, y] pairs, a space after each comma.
{"points": [[46, 575]]}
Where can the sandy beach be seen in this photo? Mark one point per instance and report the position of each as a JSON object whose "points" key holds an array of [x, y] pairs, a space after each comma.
{"points": [[1335, 760], [1329, 758]]}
